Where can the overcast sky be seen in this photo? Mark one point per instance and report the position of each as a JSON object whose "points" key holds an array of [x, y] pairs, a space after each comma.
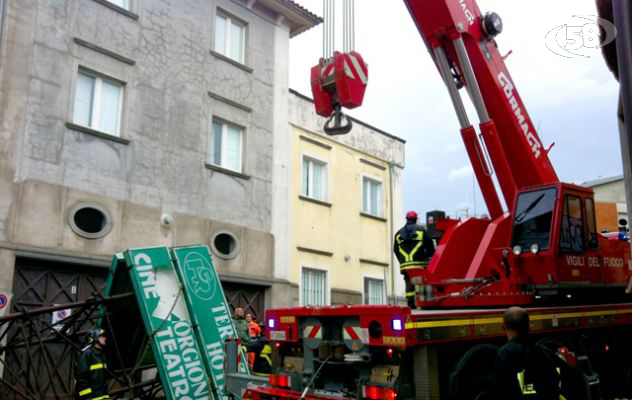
{"points": [[572, 100]]}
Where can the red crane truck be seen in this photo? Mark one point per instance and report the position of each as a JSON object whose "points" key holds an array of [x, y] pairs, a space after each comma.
{"points": [[543, 253]]}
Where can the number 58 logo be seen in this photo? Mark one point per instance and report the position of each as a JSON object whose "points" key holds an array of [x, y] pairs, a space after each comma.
{"points": [[574, 41]]}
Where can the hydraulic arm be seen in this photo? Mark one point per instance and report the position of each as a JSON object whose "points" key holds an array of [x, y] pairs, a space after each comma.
{"points": [[461, 42]]}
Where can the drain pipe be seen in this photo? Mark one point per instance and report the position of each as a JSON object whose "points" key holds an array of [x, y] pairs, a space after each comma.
{"points": [[390, 186]]}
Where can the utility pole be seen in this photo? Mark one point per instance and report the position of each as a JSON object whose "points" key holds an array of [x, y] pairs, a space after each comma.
{"points": [[622, 13]]}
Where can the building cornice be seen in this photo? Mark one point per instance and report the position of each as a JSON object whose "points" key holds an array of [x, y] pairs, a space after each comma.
{"points": [[357, 121]]}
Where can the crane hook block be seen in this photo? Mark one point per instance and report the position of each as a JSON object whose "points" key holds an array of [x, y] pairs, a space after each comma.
{"points": [[338, 128], [351, 78], [339, 82], [323, 95]]}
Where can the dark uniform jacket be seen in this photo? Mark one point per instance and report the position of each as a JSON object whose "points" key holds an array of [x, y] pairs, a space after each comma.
{"points": [[525, 370], [412, 246], [263, 352], [90, 375]]}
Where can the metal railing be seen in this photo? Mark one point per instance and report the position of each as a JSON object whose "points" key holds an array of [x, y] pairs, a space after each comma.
{"points": [[37, 357]]}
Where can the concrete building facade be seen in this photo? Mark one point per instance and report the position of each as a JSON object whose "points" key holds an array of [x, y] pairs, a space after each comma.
{"points": [[344, 192], [136, 123], [610, 202]]}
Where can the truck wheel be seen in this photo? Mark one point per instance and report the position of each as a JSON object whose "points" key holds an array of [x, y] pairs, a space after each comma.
{"points": [[472, 377], [627, 379], [623, 363], [482, 388]]}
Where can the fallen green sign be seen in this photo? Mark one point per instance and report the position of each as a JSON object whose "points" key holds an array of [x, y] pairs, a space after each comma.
{"points": [[208, 307], [185, 316]]}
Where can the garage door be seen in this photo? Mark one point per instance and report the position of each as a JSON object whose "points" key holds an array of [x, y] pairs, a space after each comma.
{"points": [[248, 297], [38, 360], [42, 284]]}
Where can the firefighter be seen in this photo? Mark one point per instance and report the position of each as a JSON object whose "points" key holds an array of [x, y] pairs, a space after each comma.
{"points": [[524, 369], [413, 249], [90, 370], [262, 364]]}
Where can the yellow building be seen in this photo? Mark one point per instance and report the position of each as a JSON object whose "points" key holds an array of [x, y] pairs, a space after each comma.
{"points": [[344, 192]]}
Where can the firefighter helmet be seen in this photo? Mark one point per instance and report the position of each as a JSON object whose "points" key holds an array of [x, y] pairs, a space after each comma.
{"points": [[411, 215], [94, 335]]}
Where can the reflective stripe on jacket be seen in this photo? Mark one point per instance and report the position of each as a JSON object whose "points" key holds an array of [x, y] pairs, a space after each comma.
{"points": [[524, 370], [412, 247], [528, 389]]}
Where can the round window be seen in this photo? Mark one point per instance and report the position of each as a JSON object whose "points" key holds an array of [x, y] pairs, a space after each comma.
{"points": [[89, 220], [225, 245]]}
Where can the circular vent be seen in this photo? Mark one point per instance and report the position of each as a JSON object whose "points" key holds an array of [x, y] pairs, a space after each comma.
{"points": [[225, 245], [89, 220]]}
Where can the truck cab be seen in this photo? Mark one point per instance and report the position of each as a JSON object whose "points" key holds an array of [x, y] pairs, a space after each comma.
{"points": [[555, 245]]}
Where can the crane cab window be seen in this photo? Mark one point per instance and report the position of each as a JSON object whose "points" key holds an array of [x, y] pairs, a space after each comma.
{"points": [[534, 213], [591, 224], [572, 232]]}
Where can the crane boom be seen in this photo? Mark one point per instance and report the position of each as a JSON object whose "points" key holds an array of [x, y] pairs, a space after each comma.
{"points": [[516, 151]]}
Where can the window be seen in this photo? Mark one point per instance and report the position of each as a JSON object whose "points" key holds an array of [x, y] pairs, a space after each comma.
{"points": [[373, 291], [572, 236], [89, 220], [98, 103], [121, 3], [230, 37], [534, 214], [314, 290], [593, 242], [225, 245], [314, 179], [371, 196], [225, 146]]}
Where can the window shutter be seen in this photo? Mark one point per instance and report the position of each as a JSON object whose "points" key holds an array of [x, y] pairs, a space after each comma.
{"points": [[373, 291], [220, 34], [305, 187], [374, 198], [365, 195], [83, 100], [317, 181], [237, 33], [233, 148], [110, 107], [216, 144]]}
